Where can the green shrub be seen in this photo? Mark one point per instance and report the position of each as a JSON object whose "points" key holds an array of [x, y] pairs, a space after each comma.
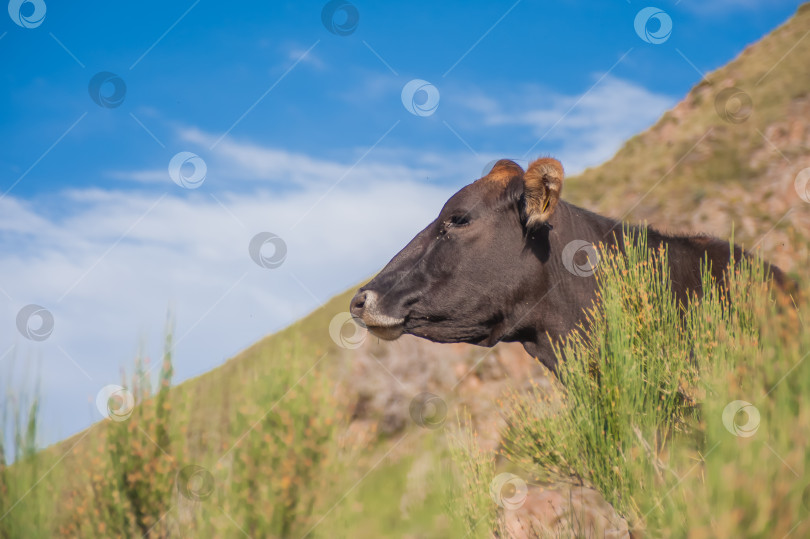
{"points": [[639, 412]]}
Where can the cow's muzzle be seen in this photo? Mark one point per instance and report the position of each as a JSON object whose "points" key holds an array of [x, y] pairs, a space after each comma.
{"points": [[365, 306]]}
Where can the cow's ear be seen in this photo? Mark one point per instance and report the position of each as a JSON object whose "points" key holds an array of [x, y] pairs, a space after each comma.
{"points": [[504, 170], [542, 185]]}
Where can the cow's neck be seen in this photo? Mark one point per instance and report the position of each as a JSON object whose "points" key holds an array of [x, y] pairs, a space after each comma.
{"points": [[556, 299]]}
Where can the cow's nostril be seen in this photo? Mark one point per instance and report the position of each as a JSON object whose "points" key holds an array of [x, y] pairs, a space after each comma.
{"points": [[358, 304], [365, 308]]}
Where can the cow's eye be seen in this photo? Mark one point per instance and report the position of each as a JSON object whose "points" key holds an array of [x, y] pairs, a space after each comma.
{"points": [[459, 220]]}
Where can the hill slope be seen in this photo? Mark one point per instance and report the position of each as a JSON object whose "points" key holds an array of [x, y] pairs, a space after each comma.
{"points": [[728, 153]]}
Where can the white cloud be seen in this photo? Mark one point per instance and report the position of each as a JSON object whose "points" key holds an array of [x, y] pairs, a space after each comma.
{"points": [[591, 126], [110, 267], [232, 162]]}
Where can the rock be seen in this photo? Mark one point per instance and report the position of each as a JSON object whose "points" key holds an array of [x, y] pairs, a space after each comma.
{"points": [[563, 510]]}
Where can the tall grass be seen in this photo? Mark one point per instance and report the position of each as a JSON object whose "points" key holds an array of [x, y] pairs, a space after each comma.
{"points": [[474, 509], [128, 489], [270, 479], [20, 515], [639, 413], [285, 454]]}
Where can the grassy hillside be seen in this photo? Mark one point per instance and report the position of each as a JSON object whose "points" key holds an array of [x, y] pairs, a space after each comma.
{"points": [[318, 431], [727, 155], [295, 436]]}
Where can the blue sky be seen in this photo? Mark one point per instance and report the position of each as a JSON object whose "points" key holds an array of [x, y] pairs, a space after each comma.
{"points": [[304, 134]]}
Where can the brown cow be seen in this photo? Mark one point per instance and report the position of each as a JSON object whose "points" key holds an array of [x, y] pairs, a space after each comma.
{"points": [[497, 264]]}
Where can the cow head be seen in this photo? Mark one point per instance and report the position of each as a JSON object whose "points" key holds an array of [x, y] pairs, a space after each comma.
{"points": [[477, 270]]}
